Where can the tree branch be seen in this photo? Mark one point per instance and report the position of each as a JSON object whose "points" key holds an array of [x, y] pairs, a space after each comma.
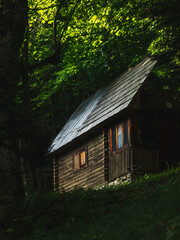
{"points": [[55, 28], [55, 58], [69, 19]]}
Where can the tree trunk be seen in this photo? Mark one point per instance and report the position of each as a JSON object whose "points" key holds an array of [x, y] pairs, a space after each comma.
{"points": [[13, 15]]}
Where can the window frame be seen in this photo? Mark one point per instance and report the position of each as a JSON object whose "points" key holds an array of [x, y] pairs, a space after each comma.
{"points": [[78, 153], [119, 149]]}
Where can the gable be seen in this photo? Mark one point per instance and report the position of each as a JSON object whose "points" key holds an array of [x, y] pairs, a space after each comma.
{"points": [[104, 104]]}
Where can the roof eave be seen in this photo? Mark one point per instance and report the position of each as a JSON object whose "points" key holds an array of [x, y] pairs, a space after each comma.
{"points": [[96, 129]]}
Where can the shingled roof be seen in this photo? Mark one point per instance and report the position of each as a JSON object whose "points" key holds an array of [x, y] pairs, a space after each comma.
{"points": [[103, 104]]}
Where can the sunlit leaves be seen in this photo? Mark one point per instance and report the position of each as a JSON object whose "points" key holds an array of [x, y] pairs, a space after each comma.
{"points": [[95, 40], [41, 18]]}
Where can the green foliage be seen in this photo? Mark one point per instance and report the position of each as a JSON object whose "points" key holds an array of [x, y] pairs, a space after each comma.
{"points": [[92, 40], [85, 44], [71, 49], [147, 208]]}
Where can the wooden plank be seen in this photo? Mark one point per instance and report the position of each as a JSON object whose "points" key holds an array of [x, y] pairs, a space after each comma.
{"points": [[121, 92], [124, 84], [120, 101], [110, 138], [129, 133], [147, 158], [76, 162], [55, 173], [95, 171], [118, 164]]}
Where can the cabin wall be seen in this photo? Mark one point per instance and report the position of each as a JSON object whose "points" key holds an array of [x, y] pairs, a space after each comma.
{"points": [[155, 138], [56, 174], [155, 130], [141, 152], [146, 158], [162, 100], [92, 175], [119, 163]]}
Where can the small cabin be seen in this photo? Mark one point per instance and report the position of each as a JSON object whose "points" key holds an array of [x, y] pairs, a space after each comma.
{"points": [[119, 130]]}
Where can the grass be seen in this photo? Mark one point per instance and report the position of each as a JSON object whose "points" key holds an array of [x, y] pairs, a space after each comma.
{"points": [[148, 208]]}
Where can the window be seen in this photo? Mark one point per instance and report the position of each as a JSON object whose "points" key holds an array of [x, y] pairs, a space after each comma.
{"points": [[83, 158], [80, 159], [119, 135]]}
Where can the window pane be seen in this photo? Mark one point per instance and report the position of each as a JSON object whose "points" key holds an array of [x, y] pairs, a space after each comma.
{"points": [[76, 162], [83, 158], [120, 135], [125, 133], [114, 138]]}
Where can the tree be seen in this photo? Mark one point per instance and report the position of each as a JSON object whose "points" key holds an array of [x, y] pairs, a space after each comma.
{"points": [[56, 53], [13, 21], [91, 42]]}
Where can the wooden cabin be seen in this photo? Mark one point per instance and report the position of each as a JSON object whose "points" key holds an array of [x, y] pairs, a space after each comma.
{"points": [[117, 131]]}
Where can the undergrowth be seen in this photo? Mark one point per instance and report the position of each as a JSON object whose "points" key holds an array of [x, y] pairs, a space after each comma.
{"points": [[144, 209]]}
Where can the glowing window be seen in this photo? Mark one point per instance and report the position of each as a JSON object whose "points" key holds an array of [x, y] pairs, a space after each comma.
{"points": [[80, 159], [83, 158]]}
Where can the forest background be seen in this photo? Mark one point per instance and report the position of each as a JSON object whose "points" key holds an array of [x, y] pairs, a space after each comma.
{"points": [[54, 54]]}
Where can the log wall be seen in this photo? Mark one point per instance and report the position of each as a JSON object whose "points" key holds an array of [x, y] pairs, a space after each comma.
{"points": [[55, 174], [92, 175]]}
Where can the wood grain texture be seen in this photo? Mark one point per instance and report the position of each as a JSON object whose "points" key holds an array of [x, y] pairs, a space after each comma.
{"points": [[147, 158], [55, 174], [119, 164], [91, 175]]}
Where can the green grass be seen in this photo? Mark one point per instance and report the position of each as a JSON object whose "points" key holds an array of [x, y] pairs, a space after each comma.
{"points": [[145, 209]]}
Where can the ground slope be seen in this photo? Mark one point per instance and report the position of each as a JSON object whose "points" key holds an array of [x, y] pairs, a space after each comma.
{"points": [[146, 209]]}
